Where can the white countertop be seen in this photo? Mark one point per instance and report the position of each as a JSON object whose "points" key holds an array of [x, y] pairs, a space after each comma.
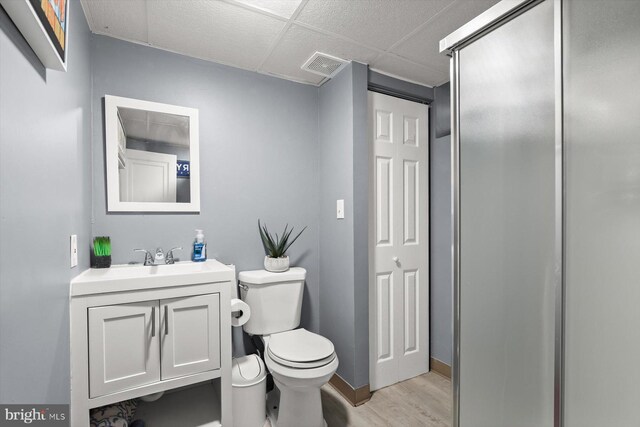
{"points": [[124, 277]]}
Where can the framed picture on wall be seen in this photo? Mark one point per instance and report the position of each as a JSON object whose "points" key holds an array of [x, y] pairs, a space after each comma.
{"points": [[45, 26]]}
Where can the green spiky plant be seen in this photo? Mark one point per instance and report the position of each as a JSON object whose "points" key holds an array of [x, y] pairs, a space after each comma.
{"points": [[276, 247], [102, 246]]}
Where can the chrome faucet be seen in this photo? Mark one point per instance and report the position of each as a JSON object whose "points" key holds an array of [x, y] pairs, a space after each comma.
{"points": [[169, 259], [159, 258], [148, 259]]}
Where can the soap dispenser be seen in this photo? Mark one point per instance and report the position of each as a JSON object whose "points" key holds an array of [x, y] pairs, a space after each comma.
{"points": [[199, 248]]}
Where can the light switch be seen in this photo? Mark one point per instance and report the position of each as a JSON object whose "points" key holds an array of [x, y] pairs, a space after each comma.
{"points": [[74, 250], [340, 209]]}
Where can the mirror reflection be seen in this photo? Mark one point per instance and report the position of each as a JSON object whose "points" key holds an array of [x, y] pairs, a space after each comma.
{"points": [[153, 156]]}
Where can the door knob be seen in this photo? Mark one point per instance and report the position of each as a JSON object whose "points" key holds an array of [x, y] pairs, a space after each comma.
{"points": [[395, 259]]}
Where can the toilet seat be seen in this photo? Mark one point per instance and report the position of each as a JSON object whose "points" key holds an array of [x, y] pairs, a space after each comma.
{"points": [[300, 349], [302, 365]]}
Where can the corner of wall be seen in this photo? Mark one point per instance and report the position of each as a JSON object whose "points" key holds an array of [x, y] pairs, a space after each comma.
{"points": [[336, 139], [361, 223], [441, 236]]}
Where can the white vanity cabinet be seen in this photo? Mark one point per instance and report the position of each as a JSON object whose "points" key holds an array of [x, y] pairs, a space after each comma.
{"points": [[140, 343], [139, 330], [190, 335], [123, 347]]}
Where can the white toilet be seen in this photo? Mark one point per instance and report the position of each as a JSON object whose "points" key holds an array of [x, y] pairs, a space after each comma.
{"points": [[300, 361]]}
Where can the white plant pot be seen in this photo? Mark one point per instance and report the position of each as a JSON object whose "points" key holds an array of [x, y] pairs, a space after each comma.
{"points": [[276, 265]]}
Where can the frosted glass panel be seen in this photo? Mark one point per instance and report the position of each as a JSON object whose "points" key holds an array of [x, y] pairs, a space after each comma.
{"points": [[507, 205], [602, 137]]}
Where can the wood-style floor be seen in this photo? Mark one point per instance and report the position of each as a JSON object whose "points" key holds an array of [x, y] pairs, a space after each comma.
{"points": [[423, 401]]}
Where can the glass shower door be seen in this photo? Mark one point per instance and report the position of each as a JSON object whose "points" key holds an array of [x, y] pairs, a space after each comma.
{"points": [[507, 224], [602, 139]]}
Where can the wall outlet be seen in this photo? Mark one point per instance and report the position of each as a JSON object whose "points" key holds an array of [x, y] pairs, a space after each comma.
{"points": [[74, 250], [340, 209]]}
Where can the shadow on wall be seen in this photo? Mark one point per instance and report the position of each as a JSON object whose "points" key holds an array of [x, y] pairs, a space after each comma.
{"points": [[13, 34]]}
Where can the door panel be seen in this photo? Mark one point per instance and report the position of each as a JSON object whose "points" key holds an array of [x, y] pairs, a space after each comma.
{"points": [[384, 197], [411, 198], [398, 223], [190, 335], [384, 291], [123, 347], [411, 298]]}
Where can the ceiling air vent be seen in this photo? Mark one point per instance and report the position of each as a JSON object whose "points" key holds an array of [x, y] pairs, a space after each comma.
{"points": [[323, 64]]}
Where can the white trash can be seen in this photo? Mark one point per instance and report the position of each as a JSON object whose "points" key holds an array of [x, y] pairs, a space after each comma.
{"points": [[248, 379]]}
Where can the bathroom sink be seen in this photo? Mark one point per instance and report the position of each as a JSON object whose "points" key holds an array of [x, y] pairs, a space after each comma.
{"points": [[125, 277]]}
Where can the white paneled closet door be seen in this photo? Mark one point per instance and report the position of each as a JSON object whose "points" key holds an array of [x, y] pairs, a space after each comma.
{"points": [[398, 240]]}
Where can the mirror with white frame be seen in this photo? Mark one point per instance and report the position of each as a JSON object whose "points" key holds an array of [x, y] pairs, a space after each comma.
{"points": [[152, 156]]}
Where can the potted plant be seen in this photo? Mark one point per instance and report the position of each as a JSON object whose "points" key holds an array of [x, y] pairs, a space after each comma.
{"points": [[101, 253], [275, 248]]}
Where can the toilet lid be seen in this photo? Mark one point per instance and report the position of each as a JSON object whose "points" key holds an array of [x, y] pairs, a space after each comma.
{"points": [[301, 365], [300, 346]]}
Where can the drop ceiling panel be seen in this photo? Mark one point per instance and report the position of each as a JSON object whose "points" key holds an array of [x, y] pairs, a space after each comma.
{"points": [[125, 20], [278, 7], [299, 43], [396, 66], [375, 23], [398, 37], [423, 48], [212, 30]]}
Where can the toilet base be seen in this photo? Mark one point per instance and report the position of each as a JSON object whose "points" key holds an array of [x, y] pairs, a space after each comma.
{"points": [[273, 408]]}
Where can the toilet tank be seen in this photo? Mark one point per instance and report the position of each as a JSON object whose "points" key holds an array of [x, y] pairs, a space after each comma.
{"points": [[275, 299]]}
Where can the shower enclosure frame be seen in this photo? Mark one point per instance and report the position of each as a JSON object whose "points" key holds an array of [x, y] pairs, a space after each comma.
{"points": [[493, 18]]}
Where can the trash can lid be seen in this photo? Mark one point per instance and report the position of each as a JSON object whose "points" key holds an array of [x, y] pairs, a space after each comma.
{"points": [[247, 371]]}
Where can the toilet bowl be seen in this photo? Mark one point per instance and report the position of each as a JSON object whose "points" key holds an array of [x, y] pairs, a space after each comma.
{"points": [[300, 361]]}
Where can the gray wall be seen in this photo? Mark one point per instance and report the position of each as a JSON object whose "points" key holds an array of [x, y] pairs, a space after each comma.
{"points": [[258, 155], [336, 241], [344, 269], [45, 197], [442, 110], [441, 231], [361, 223]]}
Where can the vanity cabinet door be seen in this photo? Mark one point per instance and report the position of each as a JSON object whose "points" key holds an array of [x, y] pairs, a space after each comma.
{"points": [[123, 347], [190, 335]]}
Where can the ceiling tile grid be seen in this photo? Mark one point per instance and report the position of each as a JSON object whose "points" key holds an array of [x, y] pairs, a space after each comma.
{"points": [[420, 48], [284, 9], [275, 37], [375, 23]]}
